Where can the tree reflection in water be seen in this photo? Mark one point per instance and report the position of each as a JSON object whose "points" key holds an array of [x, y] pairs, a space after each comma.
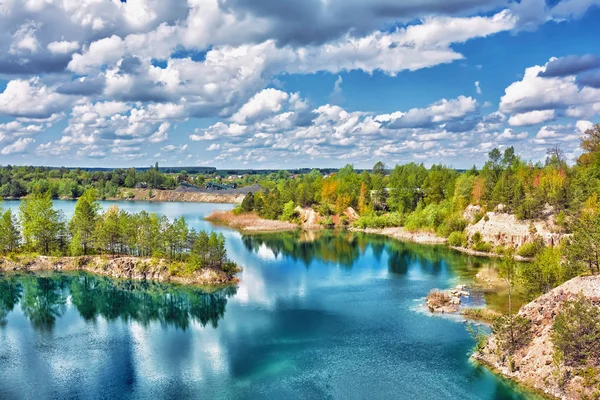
{"points": [[10, 295], [345, 248], [43, 299]]}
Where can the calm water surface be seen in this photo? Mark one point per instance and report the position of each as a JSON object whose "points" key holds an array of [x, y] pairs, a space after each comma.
{"points": [[316, 316]]}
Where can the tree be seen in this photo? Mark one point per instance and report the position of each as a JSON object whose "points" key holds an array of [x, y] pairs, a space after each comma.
{"points": [[289, 211], [43, 227], [10, 237], [543, 274], [512, 332], [584, 246], [248, 203], [108, 230], [576, 332], [555, 156], [379, 168], [83, 223]]}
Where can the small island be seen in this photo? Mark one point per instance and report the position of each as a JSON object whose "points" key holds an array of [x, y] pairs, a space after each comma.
{"points": [[141, 246]]}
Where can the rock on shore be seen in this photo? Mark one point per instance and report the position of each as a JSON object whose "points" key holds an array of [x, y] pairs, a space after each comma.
{"points": [[136, 268], [533, 364]]}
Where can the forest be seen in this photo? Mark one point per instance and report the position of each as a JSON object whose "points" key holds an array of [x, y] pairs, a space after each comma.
{"points": [[41, 229]]}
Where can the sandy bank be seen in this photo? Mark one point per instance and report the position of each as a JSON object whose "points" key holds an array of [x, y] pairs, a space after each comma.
{"points": [[476, 253], [534, 366], [250, 222], [183, 196], [400, 233], [119, 267]]}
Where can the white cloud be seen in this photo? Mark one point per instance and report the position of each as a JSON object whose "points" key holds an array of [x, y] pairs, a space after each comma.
{"points": [[63, 47], [17, 147], [439, 112], [537, 93], [31, 98], [101, 52], [266, 102], [161, 134], [531, 118], [24, 39], [477, 87]]}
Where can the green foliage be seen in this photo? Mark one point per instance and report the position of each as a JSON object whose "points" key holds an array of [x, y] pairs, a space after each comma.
{"points": [[530, 249], [248, 203], [543, 274], [576, 332], [480, 336], [482, 314], [457, 239], [512, 333], [289, 212], [43, 228], [372, 220], [482, 246], [10, 237], [83, 222]]}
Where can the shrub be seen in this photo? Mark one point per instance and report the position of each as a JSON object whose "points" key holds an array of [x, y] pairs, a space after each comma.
{"points": [[576, 332], [456, 239], [478, 216], [530, 249], [437, 298], [289, 212], [484, 247], [479, 334], [483, 314], [476, 238], [373, 220], [499, 250], [328, 222]]}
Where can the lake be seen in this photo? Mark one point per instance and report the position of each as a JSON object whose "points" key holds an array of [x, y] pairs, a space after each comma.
{"points": [[325, 315]]}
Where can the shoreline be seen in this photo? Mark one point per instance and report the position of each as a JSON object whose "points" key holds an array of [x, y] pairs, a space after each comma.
{"points": [[119, 267], [162, 195], [534, 365], [250, 222], [476, 253], [399, 233]]}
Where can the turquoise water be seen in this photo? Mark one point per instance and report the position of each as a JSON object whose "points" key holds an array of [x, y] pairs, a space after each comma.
{"points": [[316, 316]]}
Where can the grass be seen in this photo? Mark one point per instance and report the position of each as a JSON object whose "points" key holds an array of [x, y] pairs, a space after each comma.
{"points": [[481, 314]]}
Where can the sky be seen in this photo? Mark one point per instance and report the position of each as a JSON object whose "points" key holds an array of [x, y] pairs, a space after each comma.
{"points": [[290, 84]]}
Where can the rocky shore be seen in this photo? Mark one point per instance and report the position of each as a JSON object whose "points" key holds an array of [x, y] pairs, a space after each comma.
{"points": [[446, 301], [423, 237], [476, 253], [534, 364], [135, 268]]}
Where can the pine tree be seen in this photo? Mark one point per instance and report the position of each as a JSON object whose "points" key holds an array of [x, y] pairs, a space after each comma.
{"points": [[43, 227], [10, 237], [83, 223]]}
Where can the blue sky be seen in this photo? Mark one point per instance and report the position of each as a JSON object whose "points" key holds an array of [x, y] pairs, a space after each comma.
{"points": [[318, 83]]}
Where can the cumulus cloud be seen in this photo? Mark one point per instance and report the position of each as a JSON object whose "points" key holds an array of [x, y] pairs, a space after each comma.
{"points": [[30, 98], [19, 146], [537, 93], [63, 47], [570, 65], [266, 102], [531, 118], [126, 74], [439, 112]]}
